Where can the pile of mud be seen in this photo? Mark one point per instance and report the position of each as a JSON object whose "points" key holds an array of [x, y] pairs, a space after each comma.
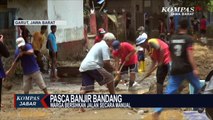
{"points": [[167, 115], [203, 56]]}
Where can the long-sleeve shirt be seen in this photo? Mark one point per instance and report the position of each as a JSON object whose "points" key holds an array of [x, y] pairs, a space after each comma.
{"points": [[5, 53]]}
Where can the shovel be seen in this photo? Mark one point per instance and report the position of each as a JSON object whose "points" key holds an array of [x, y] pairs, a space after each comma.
{"points": [[142, 79], [8, 85]]}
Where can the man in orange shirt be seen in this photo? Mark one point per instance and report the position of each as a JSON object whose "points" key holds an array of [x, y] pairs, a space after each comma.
{"points": [[38, 40]]}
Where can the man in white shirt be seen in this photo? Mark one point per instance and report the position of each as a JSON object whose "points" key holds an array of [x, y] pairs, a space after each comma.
{"points": [[92, 67]]}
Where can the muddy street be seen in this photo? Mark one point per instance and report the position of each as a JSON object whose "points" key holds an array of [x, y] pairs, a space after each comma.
{"points": [[65, 86], [72, 85]]}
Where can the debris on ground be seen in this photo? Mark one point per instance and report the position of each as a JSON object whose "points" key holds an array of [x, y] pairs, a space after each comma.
{"points": [[203, 57]]}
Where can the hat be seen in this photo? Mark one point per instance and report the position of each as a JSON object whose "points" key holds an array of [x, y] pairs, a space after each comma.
{"points": [[20, 42], [109, 36], [100, 1], [141, 28], [116, 45], [101, 30], [141, 39]]}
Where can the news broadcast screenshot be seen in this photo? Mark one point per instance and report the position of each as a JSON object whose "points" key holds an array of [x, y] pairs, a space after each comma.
{"points": [[106, 59]]}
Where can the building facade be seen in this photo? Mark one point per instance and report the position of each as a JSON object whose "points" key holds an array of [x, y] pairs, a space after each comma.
{"points": [[69, 37]]}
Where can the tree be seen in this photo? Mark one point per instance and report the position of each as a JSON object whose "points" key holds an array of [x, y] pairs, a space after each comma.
{"points": [[210, 6], [203, 4]]}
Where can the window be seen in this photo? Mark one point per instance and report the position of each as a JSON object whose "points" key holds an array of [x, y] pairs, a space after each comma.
{"points": [[3, 2], [137, 8], [6, 19]]}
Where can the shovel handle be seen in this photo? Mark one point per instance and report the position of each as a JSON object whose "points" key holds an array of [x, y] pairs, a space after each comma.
{"points": [[116, 77], [16, 58], [142, 80], [122, 66], [13, 63]]}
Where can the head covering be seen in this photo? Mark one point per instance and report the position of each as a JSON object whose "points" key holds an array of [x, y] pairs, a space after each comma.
{"points": [[141, 28], [116, 45], [101, 1], [20, 42], [101, 30], [109, 36], [141, 39]]}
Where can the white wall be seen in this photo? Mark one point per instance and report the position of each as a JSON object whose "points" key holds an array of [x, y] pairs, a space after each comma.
{"points": [[30, 10], [70, 11]]}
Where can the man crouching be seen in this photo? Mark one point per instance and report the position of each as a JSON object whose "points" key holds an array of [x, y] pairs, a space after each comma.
{"points": [[92, 67]]}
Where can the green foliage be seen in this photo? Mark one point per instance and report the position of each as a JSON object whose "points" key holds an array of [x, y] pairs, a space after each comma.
{"points": [[210, 6], [204, 4], [86, 12], [209, 31]]}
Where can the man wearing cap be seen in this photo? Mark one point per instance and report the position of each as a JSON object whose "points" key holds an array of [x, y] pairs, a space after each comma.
{"points": [[92, 67], [141, 51], [126, 53], [30, 67], [140, 30], [160, 56], [100, 35]]}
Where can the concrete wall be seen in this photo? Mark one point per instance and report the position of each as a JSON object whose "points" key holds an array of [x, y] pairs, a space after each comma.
{"points": [[119, 4], [70, 11], [30, 10], [129, 6], [6, 25], [154, 8], [69, 37]]}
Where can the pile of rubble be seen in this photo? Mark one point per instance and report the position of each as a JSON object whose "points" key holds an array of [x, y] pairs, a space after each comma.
{"points": [[203, 56]]}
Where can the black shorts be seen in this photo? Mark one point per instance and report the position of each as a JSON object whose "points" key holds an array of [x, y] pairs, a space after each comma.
{"points": [[129, 68], [203, 31], [162, 71], [99, 75]]}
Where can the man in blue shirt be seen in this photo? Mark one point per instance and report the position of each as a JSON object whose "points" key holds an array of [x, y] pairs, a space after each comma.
{"points": [[3, 52], [31, 70], [53, 49]]}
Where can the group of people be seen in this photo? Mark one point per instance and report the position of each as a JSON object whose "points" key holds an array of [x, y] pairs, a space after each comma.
{"points": [[30, 54], [40, 42], [182, 66], [199, 27], [164, 33], [175, 59]]}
